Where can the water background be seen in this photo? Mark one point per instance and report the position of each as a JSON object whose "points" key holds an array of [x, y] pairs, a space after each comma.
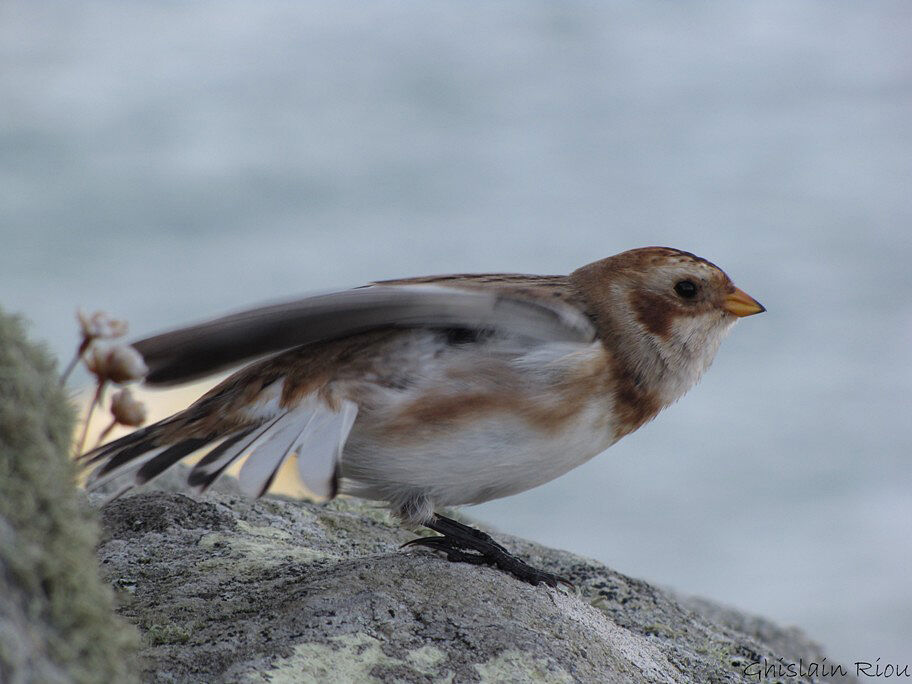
{"points": [[170, 161]]}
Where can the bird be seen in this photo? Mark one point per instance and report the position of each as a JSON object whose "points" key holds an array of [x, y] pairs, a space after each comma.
{"points": [[439, 391]]}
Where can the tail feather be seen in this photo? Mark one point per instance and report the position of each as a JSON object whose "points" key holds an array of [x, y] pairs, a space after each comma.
{"points": [[200, 476], [266, 436], [147, 452], [159, 464], [320, 447], [271, 448], [97, 478], [121, 457], [204, 474], [100, 453]]}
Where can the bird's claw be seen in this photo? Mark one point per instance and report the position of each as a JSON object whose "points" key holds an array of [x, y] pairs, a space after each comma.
{"points": [[463, 544]]}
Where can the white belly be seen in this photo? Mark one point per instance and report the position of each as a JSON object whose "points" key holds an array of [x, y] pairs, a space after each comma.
{"points": [[479, 460], [467, 425]]}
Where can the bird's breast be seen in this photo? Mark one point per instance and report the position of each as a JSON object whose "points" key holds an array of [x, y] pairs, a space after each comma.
{"points": [[549, 391], [489, 431]]}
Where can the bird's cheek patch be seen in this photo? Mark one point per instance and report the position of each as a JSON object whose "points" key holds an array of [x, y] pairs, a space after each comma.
{"points": [[654, 312]]}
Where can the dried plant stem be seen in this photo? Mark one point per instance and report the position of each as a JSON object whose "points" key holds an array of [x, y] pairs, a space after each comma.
{"points": [[99, 390], [86, 342], [105, 432]]}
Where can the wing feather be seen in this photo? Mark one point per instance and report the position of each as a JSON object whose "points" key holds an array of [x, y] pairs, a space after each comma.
{"points": [[192, 352]]}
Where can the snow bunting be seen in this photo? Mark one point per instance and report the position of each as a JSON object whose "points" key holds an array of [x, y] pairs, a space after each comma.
{"points": [[438, 391]]}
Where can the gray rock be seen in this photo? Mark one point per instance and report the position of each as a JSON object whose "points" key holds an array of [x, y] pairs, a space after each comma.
{"points": [[277, 590]]}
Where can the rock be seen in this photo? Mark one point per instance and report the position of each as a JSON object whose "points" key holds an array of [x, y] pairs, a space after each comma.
{"points": [[56, 616], [278, 590]]}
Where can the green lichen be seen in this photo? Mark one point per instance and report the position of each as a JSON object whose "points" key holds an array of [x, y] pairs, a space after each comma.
{"points": [[660, 629], [54, 603], [251, 548], [426, 659], [344, 504], [350, 658], [157, 635]]}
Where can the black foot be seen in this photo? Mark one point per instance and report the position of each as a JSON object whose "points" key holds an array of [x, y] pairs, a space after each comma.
{"points": [[464, 544]]}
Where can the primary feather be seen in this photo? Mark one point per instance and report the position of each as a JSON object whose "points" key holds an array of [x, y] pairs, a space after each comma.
{"points": [[199, 350]]}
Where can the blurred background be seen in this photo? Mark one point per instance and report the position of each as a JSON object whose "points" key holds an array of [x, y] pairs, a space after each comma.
{"points": [[168, 162]]}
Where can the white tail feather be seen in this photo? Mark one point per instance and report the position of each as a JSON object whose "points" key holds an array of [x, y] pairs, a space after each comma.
{"points": [[312, 430], [236, 451], [270, 449], [320, 446]]}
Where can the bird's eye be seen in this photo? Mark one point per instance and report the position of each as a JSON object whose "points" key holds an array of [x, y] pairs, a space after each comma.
{"points": [[686, 288]]}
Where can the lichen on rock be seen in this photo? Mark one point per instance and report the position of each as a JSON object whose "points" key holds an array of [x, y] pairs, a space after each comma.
{"points": [[57, 622]]}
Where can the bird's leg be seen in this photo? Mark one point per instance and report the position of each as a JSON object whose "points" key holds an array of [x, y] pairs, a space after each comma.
{"points": [[465, 544]]}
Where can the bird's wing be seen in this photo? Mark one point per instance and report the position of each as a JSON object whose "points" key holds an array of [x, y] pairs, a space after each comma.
{"points": [[193, 352]]}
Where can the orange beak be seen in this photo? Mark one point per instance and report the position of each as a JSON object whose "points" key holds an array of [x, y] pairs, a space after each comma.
{"points": [[740, 304]]}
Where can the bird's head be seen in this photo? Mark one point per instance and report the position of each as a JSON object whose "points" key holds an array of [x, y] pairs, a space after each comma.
{"points": [[663, 313]]}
